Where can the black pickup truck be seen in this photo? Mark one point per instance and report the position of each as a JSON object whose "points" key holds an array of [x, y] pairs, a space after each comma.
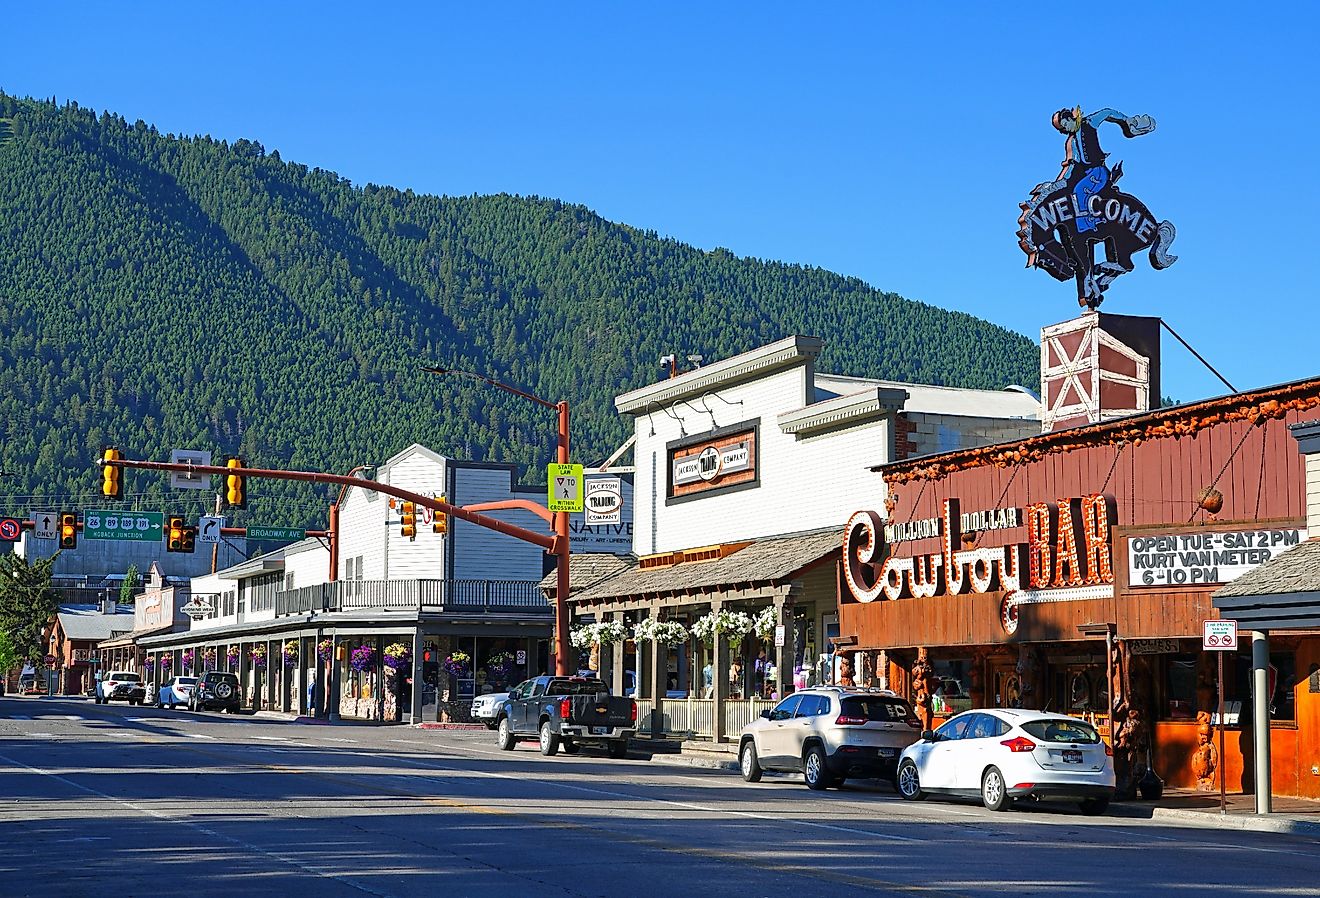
{"points": [[569, 712]]}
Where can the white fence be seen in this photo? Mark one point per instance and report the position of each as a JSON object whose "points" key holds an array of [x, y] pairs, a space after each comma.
{"points": [[695, 717]]}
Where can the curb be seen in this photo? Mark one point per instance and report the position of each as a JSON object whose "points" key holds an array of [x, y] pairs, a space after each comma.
{"points": [[476, 727], [1252, 822], [689, 761]]}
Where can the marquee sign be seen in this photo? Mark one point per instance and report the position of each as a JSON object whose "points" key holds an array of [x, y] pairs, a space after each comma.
{"points": [[1064, 221], [1068, 546], [1207, 558]]}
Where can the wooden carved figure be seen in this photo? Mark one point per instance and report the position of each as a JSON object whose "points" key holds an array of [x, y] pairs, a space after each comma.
{"points": [[922, 674], [1205, 760]]}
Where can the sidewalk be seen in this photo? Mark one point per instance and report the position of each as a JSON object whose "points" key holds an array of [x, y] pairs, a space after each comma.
{"points": [[1295, 816]]}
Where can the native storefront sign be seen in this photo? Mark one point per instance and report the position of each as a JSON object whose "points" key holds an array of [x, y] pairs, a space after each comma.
{"points": [[714, 461], [1203, 558], [1066, 220], [1067, 546]]}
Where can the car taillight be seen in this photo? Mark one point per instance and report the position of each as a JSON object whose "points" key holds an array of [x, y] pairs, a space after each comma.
{"points": [[563, 708], [845, 721], [633, 713], [1021, 743]]}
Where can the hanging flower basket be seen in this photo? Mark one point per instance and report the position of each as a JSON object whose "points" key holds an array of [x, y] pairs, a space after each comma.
{"points": [[459, 664], [500, 665], [325, 649], [602, 633], [764, 624], [149, 665], [208, 659], [665, 632], [231, 657], [187, 658], [166, 662], [257, 655], [363, 659], [290, 653], [732, 625], [397, 656]]}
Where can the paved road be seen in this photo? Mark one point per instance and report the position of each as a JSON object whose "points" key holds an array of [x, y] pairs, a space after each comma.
{"points": [[135, 801]]}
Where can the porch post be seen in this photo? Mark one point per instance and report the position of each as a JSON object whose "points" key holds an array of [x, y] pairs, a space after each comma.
{"points": [[379, 675], [719, 664], [418, 647], [783, 654], [617, 656], [332, 684], [1260, 718], [656, 670]]}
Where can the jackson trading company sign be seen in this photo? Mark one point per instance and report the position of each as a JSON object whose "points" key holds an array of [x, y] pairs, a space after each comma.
{"points": [[1065, 220], [713, 462], [1067, 555]]}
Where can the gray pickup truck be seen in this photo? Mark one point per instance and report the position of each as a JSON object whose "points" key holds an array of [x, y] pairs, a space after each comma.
{"points": [[568, 712]]}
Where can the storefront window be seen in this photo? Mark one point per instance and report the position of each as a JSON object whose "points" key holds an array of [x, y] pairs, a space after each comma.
{"points": [[949, 695], [1179, 687], [1282, 677]]}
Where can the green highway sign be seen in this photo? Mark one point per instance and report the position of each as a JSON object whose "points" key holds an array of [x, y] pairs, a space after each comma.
{"points": [[280, 533], [136, 526]]}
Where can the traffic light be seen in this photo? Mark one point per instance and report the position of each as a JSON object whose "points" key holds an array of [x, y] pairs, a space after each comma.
{"points": [[189, 540], [174, 534], [68, 530], [111, 488], [409, 520], [440, 523], [235, 484]]}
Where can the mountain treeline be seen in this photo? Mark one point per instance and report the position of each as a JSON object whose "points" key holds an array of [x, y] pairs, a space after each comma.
{"points": [[159, 291]]}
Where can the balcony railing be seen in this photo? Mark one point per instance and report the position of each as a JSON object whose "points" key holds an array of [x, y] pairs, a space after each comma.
{"points": [[417, 596]]}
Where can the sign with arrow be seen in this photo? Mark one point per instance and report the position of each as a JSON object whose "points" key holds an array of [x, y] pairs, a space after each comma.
{"points": [[46, 523], [132, 526], [208, 528], [10, 529]]}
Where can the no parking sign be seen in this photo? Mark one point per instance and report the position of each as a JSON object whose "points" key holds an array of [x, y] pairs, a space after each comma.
{"points": [[1219, 636]]}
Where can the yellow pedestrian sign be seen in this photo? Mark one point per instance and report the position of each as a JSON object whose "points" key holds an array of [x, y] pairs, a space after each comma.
{"points": [[564, 487]]}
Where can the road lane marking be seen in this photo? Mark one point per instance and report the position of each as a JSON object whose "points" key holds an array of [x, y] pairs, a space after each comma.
{"points": [[197, 736]]}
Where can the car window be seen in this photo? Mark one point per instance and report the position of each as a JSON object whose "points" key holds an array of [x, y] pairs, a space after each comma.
{"points": [[982, 726], [955, 728], [1062, 731], [786, 709], [129, 678], [538, 689], [812, 705], [186, 681], [875, 708]]}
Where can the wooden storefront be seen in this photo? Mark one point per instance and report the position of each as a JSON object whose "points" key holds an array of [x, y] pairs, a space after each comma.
{"points": [[1048, 533]]}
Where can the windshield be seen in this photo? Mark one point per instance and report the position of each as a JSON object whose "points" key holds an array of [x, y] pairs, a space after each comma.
{"points": [[576, 687], [128, 678], [1062, 731], [186, 681]]}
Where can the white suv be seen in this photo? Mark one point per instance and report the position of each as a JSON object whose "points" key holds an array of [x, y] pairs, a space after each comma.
{"points": [[829, 733]]}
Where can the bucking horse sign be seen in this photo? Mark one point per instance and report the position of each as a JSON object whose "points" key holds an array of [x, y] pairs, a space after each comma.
{"points": [[1066, 221]]}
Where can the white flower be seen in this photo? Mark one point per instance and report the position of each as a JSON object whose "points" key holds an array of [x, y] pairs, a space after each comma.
{"points": [[666, 632], [601, 633], [733, 625], [765, 623]]}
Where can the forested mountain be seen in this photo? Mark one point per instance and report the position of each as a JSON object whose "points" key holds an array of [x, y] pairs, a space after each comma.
{"points": [[160, 291]]}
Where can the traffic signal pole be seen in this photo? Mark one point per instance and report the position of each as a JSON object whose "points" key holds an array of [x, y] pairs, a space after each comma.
{"points": [[545, 541]]}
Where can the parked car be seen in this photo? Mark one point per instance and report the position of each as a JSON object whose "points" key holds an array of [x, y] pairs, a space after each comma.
{"points": [[830, 733], [175, 691], [1003, 754], [486, 708], [121, 685], [216, 691], [567, 711]]}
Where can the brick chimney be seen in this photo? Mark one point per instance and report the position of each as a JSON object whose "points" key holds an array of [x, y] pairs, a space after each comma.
{"points": [[1097, 367]]}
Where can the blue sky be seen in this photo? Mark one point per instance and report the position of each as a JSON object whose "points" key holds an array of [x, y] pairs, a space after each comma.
{"points": [[892, 143]]}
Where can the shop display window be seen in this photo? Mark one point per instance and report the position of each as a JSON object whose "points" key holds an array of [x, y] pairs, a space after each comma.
{"points": [[949, 694], [1283, 676], [1179, 701]]}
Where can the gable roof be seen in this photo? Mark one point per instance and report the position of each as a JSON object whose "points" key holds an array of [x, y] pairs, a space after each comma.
{"points": [[94, 625]]}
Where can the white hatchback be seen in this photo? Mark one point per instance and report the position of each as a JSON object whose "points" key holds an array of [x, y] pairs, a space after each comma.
{"points": [[1002, 754]]}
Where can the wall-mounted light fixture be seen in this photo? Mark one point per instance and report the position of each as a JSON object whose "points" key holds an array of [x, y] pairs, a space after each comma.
{"points": [[712, 393]]}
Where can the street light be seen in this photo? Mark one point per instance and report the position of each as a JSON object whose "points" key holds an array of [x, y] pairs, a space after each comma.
{"points": [[561, 550]]}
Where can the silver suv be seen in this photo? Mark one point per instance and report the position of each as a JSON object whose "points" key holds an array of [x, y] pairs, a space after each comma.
{"points": [[830, 733]]}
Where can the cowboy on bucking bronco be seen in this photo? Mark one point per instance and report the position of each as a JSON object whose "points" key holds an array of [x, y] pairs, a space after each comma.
{"points": [[1084, 164]]}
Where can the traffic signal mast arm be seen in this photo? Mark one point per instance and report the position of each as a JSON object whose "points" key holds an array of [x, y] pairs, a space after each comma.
{"points": [[546, 541]]}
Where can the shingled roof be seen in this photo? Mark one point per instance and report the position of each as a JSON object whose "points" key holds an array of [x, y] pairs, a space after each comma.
{"points": [[587, 570], [770, 560], [1296, 570]]}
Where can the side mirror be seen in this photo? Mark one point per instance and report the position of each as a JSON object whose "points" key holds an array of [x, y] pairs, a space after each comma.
{"points": [[929, 736], [766, 714]]}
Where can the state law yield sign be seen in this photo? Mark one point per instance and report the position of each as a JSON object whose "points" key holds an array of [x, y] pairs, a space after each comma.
{"points": [[564, 487]]}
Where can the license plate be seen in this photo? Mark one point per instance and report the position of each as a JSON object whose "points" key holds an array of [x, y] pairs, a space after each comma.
{"points": [[599, 731], [1071, 756], [888, 752]]}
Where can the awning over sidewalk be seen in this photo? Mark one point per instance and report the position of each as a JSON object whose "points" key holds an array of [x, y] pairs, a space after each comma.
{"points": [[1281, 594]]}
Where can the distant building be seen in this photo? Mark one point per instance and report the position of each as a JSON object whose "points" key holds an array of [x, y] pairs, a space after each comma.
{"points": [[74, 636]]}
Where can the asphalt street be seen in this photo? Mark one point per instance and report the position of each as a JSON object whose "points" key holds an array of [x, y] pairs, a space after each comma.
{"points": [[137, 801]]}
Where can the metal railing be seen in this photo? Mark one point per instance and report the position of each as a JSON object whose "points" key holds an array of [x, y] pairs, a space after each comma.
{"points": [[416, 596]]}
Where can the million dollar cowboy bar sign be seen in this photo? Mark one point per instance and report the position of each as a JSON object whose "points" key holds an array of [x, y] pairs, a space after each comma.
{"points": [[1067, 549]]}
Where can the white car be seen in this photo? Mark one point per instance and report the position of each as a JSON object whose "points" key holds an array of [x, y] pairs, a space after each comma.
{"points": [[1002, 754], [175, 691], [486, 708]]}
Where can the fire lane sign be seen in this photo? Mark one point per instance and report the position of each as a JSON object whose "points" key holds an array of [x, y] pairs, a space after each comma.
{"points": [[1220, 636]]}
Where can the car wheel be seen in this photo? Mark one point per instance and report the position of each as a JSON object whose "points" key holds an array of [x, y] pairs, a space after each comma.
{"points": [[617, 748], [1094, 807], [908, 782], [994, 794], [569, 746], [549, 740], [814, 773], [748, 763], [505, 738]]}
